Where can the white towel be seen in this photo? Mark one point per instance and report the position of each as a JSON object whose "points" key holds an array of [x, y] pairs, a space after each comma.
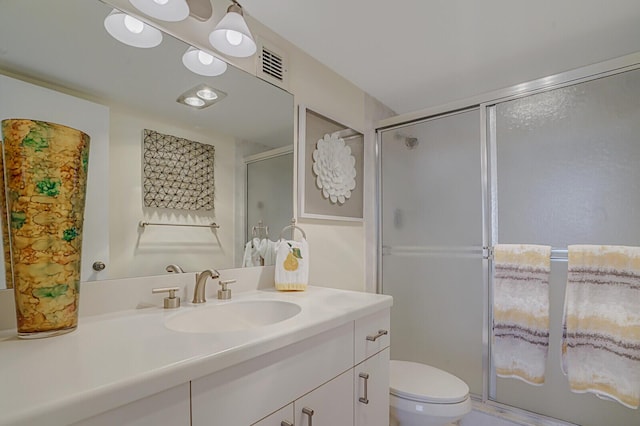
{"points": [[601, 323], [521, 311], [268, 250], [292, 265], [251, 256]]}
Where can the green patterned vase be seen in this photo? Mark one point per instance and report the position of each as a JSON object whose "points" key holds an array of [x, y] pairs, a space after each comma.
{"points": [[46, 177]]}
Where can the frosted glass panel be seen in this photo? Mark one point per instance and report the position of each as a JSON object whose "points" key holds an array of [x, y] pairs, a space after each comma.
{"points": [[436, 316], [432, 236], [567, 164], [431, 183], [270, 194], [568, 173]]}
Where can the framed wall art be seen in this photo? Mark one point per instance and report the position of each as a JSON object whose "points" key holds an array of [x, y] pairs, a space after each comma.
{"points": [[330, 168]]}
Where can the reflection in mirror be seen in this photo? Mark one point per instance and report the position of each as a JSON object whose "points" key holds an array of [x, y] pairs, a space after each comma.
{"points": [[269, 209], [64, 46]]}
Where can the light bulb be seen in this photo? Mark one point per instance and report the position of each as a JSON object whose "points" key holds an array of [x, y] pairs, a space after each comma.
{"points": [[134, 25], [207, 94], [234, 37], [205, 58], [193, 101], [161, 2]]}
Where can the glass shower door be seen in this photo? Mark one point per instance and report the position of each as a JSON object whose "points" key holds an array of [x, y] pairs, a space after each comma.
{"points": [[432, 257], [566, 172]]}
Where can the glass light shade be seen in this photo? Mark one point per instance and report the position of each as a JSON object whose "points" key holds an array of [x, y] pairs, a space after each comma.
{"points": [[115, 25], [203, 63], [239, 42], [169, 10]]}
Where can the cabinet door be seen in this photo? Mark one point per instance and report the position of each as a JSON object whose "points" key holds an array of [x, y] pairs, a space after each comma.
{"points": [[371, 386], [282, 417], [329, 405]]}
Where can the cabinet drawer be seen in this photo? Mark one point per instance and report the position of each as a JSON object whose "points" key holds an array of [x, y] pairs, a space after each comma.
{"points": [[372, 334]]}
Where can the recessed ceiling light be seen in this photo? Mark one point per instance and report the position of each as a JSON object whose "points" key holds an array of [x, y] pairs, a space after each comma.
{"points": [[207, 94], [194, 101], [201, 96]]}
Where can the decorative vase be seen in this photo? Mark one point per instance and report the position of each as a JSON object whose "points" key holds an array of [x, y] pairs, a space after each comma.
{"points": [[46, 176], [6, 249]]}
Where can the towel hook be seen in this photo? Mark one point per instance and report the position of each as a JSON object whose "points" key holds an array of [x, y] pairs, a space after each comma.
{"points": [[293, 227]]}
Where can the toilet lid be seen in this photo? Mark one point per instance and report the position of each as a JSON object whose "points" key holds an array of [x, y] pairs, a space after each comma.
{"points": [[423, 383]]}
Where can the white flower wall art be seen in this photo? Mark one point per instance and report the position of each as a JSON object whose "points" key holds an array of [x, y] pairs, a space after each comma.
{"points": [[334, 167]]}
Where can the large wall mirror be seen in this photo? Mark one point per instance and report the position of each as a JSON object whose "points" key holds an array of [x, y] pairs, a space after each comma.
{"points": [[63, 46]]}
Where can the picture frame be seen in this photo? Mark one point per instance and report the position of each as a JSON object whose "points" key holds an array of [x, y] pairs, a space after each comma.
{"points": [[331, 202]]}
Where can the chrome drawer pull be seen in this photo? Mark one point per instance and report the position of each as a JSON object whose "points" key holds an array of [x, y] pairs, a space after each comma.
{"points": [[308, 412], [380, 334], [364, 399]]}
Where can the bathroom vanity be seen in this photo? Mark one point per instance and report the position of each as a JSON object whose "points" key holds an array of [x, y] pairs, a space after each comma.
{"points": [[327, 364]]}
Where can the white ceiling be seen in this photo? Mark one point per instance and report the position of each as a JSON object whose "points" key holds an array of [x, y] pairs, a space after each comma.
{"points": [[413, 54]]}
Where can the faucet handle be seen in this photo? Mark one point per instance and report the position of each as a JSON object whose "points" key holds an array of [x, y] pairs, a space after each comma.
{"points": [[224, 293], [172, 301]]}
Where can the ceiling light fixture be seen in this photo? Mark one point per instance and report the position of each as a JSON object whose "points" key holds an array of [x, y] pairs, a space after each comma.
{"points": [[203, 63], [201, 96], [131, 31], [165, 10], [194, 101], [232, 36]]}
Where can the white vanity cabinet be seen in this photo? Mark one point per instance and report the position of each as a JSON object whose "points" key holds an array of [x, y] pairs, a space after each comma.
{"points": [[249, 391], [317, 376], [371, 373]]}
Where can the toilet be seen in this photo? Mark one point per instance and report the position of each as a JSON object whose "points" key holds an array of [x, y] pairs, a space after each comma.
{"points": [[421, 395]]}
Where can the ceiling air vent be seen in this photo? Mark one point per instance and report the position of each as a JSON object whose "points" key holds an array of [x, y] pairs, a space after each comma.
{"points": [[272, 65]]}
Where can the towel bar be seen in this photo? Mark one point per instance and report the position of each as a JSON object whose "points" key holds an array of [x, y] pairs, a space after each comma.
{"points": [[143, 224]]}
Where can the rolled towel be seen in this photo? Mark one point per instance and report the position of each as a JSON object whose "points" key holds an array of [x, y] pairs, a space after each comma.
{"points": [[601, 322], [292, 265], [521, 311]]}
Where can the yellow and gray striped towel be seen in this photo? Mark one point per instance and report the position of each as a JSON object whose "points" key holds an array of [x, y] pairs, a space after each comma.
{"points": [[521, 311], [601, 323]]}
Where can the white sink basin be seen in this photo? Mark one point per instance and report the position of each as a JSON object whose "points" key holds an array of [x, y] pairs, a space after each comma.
{"points": [[233, 316]]}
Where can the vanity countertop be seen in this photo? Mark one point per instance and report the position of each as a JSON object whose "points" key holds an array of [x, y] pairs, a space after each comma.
{"points": [[120, 357]]}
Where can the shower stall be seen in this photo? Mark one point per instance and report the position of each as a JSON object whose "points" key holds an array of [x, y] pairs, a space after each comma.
{"points": [[553, 162]]}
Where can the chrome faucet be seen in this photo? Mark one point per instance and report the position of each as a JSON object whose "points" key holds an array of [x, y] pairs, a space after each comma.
{"points": [[174, 268], [201, 283]]}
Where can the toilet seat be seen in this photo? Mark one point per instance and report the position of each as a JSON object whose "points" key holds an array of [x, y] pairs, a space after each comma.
{"points": [[423, 383]]}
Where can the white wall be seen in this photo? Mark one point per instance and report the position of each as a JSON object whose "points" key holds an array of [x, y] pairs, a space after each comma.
{"points": [[340, 251], [137, 252]]}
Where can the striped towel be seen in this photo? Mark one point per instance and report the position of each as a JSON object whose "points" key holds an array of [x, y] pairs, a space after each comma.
{"points": [[601, 323], [521, 311]]}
